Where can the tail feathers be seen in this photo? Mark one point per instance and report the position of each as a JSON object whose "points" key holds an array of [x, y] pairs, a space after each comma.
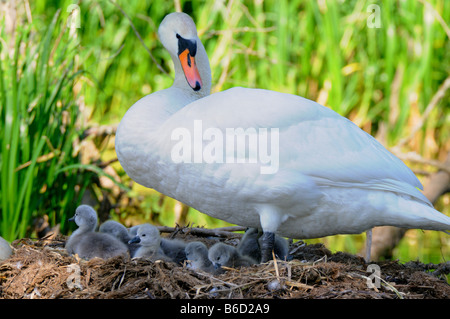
{"points": [[420, 216]]}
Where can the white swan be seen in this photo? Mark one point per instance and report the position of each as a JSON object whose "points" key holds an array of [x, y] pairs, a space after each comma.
{"points": [[327, 176]]}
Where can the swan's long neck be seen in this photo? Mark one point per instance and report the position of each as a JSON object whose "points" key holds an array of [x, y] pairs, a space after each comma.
{"points": [[137, 133]]}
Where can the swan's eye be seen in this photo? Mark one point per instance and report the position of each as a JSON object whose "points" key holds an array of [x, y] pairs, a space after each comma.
{"points": [[143, 235], [190, 45]]}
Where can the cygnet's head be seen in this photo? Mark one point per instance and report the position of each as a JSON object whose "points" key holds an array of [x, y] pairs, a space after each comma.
{"points": [[85, 217], [196, 251], [147, 235], [220, 254], [116, 229], [178, 33], [133, 230]]}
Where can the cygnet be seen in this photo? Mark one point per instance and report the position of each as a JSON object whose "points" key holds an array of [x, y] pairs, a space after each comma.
{"points": [[5, 249], [197, 255], [119, 231], [133, 230], [116, 229], [250, 245], [149, 239], [281, 247], [171, 248], [174, 249], [221, 254], [89, 244]]}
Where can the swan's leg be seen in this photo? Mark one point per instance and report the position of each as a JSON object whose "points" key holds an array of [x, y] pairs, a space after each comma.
{"points": [[368, 244], [270, 220], [267, 244]]}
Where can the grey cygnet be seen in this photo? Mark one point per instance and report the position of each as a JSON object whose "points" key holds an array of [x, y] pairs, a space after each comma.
{"points": [[149, 239], [89, 244], [221, 254], [250, 245], [197, 255], [174, 249], [119, 231], [5, 249]]}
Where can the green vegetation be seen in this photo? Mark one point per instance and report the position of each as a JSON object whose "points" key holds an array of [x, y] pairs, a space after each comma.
{"points": [[54, 85], [39, 127]]}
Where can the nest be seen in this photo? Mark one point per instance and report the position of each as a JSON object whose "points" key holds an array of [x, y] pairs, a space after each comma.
{"points": [[44, 270]]}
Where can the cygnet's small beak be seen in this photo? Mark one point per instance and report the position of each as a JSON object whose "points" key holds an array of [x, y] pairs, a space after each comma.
{"points": [[72, 219], [134, 240], [217, 265]]}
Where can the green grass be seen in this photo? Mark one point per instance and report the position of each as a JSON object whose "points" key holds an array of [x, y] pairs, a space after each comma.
{"points": [[39, 127], [380, 78]]}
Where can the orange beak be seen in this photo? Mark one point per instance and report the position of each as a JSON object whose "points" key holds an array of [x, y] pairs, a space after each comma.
{"points": [[190, 70]]}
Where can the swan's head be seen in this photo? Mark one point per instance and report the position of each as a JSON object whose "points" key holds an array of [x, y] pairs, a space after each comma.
{"points": [[178, 34]]}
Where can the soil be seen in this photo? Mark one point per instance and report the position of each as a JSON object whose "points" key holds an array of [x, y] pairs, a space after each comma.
{"points": [[41, 269]]}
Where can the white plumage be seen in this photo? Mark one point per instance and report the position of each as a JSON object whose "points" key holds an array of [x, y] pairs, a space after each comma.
{"points": [[331, 177]]}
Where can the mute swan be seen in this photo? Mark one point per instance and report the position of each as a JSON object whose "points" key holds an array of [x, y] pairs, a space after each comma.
{"points": [[197, 255], [221, 254], [87, 243], [324, 175]]}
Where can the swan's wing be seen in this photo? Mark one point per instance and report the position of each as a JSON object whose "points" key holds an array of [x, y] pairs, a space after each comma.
{"points": [[314, 141]]}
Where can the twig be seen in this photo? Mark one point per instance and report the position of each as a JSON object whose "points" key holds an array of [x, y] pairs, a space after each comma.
{"points": [[437, 16], [275, 264], [298, 285], [100, 130], [241, 30], [140, 38], [123, 276], [434, 101], [414, 157], [217, 232], [439, 182]]}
